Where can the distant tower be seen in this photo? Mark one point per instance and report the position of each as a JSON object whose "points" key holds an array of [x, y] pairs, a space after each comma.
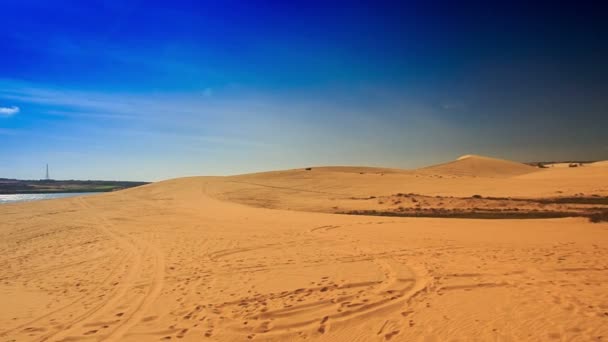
{"points": [[47, 172]]}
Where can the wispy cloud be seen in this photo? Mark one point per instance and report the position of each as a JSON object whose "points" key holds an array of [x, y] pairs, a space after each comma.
{"points": [[9, 111], [85, 104], [92, 115], [198, 117], [236, 126]]}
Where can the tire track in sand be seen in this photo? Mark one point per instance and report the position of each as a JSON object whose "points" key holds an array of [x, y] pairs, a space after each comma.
{"points": [[122, 310], [315, 310]]}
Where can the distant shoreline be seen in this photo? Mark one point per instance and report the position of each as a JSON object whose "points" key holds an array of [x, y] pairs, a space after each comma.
{"points": [[15, 186], [55, 192]]}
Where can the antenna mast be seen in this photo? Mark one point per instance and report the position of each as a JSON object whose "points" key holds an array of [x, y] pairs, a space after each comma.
{"points": [[47, 172]]}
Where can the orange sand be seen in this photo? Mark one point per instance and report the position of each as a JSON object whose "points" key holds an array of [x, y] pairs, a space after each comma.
{"points": [[180, 260]]}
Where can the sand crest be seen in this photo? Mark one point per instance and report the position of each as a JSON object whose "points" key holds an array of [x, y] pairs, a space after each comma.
{"points": [[479, 166]]}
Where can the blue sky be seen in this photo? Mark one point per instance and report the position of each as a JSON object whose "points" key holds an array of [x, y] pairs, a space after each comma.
{"points": [[147, 90]]}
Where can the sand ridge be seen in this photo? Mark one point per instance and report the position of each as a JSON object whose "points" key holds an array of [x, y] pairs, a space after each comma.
{"points": [[200, 258], [480, 166]]}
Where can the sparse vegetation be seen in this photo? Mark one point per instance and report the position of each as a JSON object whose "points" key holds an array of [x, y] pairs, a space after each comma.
{"points": [[572, 200], [363, 198], [545, 163], [598, 217], [486, 214], [593, 199], [592, 206]]}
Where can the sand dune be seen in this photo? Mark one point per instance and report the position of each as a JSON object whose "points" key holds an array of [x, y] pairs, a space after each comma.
{"points": [[479, 166], [182, 260], [323, 189]]}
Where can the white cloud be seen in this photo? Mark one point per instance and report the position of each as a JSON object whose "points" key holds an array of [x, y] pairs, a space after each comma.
{"points": [[8, 111]]}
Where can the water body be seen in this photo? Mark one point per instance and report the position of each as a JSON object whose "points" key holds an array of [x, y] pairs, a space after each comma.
{"points": [[37, 197]]}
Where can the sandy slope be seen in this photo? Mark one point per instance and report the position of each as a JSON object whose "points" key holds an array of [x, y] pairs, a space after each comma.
{"points": [[603, 163], [479, 166], [323, 189], [171, 261]]}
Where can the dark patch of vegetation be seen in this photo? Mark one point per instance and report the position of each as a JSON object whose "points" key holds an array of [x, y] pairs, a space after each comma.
{"points": [[572, 200], [308, 168], [485, 214], [500, 198], [594, 199], [545, 163], [598, 217], [363, 198]]}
